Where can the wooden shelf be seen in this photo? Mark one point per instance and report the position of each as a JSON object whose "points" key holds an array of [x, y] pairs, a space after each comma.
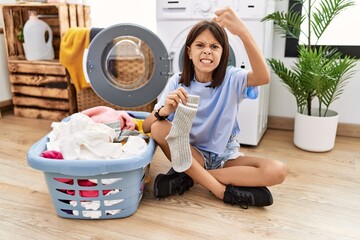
{"points": [[41, 89]]}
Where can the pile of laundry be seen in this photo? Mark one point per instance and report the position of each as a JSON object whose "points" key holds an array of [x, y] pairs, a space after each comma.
{"points": [[97, 133]]}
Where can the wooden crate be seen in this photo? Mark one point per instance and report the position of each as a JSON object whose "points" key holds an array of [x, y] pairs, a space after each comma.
{"points": [[41, 89], [60, 17], [48, 95]]}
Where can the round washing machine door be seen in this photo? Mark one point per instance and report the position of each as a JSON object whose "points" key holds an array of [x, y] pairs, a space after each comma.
{"points": [[127, 65]]}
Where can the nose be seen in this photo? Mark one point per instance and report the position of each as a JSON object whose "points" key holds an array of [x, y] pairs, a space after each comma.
{"points": [[207, 51]]}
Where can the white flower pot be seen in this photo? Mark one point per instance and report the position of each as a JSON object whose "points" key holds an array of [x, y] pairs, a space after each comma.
{"points": [[315, 134]]}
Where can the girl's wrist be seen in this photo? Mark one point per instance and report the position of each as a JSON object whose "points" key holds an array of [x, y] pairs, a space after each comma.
{"points": [[159, 116]]}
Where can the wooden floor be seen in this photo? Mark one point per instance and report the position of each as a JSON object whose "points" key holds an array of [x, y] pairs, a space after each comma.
{"points": [[320, 198]]}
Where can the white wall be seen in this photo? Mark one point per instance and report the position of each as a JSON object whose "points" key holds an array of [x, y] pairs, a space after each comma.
{"points": [[282, 103], [105, 13], [5, 93]]}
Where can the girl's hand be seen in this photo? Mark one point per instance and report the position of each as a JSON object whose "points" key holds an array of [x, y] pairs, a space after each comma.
{"points": [[173, 99], [227, 18]]}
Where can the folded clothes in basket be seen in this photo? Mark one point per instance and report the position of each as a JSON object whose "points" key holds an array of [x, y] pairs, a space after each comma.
{"points": [[104, 114], [82, 138]]}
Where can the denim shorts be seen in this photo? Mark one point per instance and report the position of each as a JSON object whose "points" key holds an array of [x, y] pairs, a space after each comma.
{"points": [[216, 161]]}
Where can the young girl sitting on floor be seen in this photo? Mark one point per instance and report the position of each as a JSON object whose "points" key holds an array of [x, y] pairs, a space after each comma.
{"points": [[195, 121]]}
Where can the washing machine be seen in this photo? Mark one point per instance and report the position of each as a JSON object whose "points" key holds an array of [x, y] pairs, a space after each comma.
{"points": [[129, 65], [175, 19]]}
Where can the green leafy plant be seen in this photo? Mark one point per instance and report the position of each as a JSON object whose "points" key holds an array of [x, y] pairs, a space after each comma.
{"points": [[319, 72]]}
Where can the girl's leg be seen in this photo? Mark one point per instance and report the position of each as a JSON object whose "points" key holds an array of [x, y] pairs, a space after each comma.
{"points": [[243, 171], [159, 131], [199, 174], [251, 171]]}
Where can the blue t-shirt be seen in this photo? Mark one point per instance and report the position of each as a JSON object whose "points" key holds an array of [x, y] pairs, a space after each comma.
{"points": [[216, 117]]}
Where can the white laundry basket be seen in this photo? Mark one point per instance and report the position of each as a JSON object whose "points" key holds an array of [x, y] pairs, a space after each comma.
{"points": [[116, 187]]}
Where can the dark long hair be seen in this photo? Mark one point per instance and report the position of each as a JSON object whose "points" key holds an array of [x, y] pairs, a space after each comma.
{"points": [[221, 36]]}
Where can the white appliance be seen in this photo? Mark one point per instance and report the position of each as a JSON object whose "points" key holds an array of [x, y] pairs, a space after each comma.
{"points": [[5, 94], [174, 20]]}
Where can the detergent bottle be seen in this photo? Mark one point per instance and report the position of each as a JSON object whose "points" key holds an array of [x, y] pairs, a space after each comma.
{"points": [[37, 39]]}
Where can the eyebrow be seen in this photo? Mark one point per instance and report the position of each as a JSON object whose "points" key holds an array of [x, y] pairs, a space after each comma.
{"points": [[206, 42]]}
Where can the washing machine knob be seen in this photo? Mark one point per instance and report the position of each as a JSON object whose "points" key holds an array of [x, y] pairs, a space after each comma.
{"points": [[205, 6]]}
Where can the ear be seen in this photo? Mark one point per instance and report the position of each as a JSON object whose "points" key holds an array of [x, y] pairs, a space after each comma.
{"points": [[188, 52]]}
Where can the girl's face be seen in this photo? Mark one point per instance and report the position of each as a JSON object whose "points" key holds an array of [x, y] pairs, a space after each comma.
{"points": [[205, 53]]}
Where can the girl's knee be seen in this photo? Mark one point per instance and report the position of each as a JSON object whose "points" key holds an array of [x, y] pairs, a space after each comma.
{"points": [[276, 173], [159, 130], [280, 172], [155, 132]]}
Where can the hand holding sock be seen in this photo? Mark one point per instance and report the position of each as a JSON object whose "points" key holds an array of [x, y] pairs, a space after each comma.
{"points": [[178, 137]]}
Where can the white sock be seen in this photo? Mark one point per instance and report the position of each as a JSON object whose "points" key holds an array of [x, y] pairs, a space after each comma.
{"points": [[192, 101], [178, 137]]}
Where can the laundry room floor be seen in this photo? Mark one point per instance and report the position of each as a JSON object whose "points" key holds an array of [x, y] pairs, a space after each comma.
{"points": [[320, 198]]}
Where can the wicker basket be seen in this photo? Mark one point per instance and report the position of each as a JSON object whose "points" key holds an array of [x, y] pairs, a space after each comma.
{"points": [[128, 73], [87, 98]]}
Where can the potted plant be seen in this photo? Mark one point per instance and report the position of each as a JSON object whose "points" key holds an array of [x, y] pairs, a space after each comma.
{"points": [[319, 73]]}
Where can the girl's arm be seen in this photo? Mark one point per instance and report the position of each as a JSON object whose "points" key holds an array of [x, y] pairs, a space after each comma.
{"points": [[228, 19]]}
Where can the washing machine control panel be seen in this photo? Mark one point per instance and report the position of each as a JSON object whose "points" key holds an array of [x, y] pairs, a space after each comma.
{"points": [[246, 9], [205, 9]]}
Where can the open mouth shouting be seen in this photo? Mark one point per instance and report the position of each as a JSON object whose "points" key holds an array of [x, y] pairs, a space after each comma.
{"points": [[206, 61]]}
